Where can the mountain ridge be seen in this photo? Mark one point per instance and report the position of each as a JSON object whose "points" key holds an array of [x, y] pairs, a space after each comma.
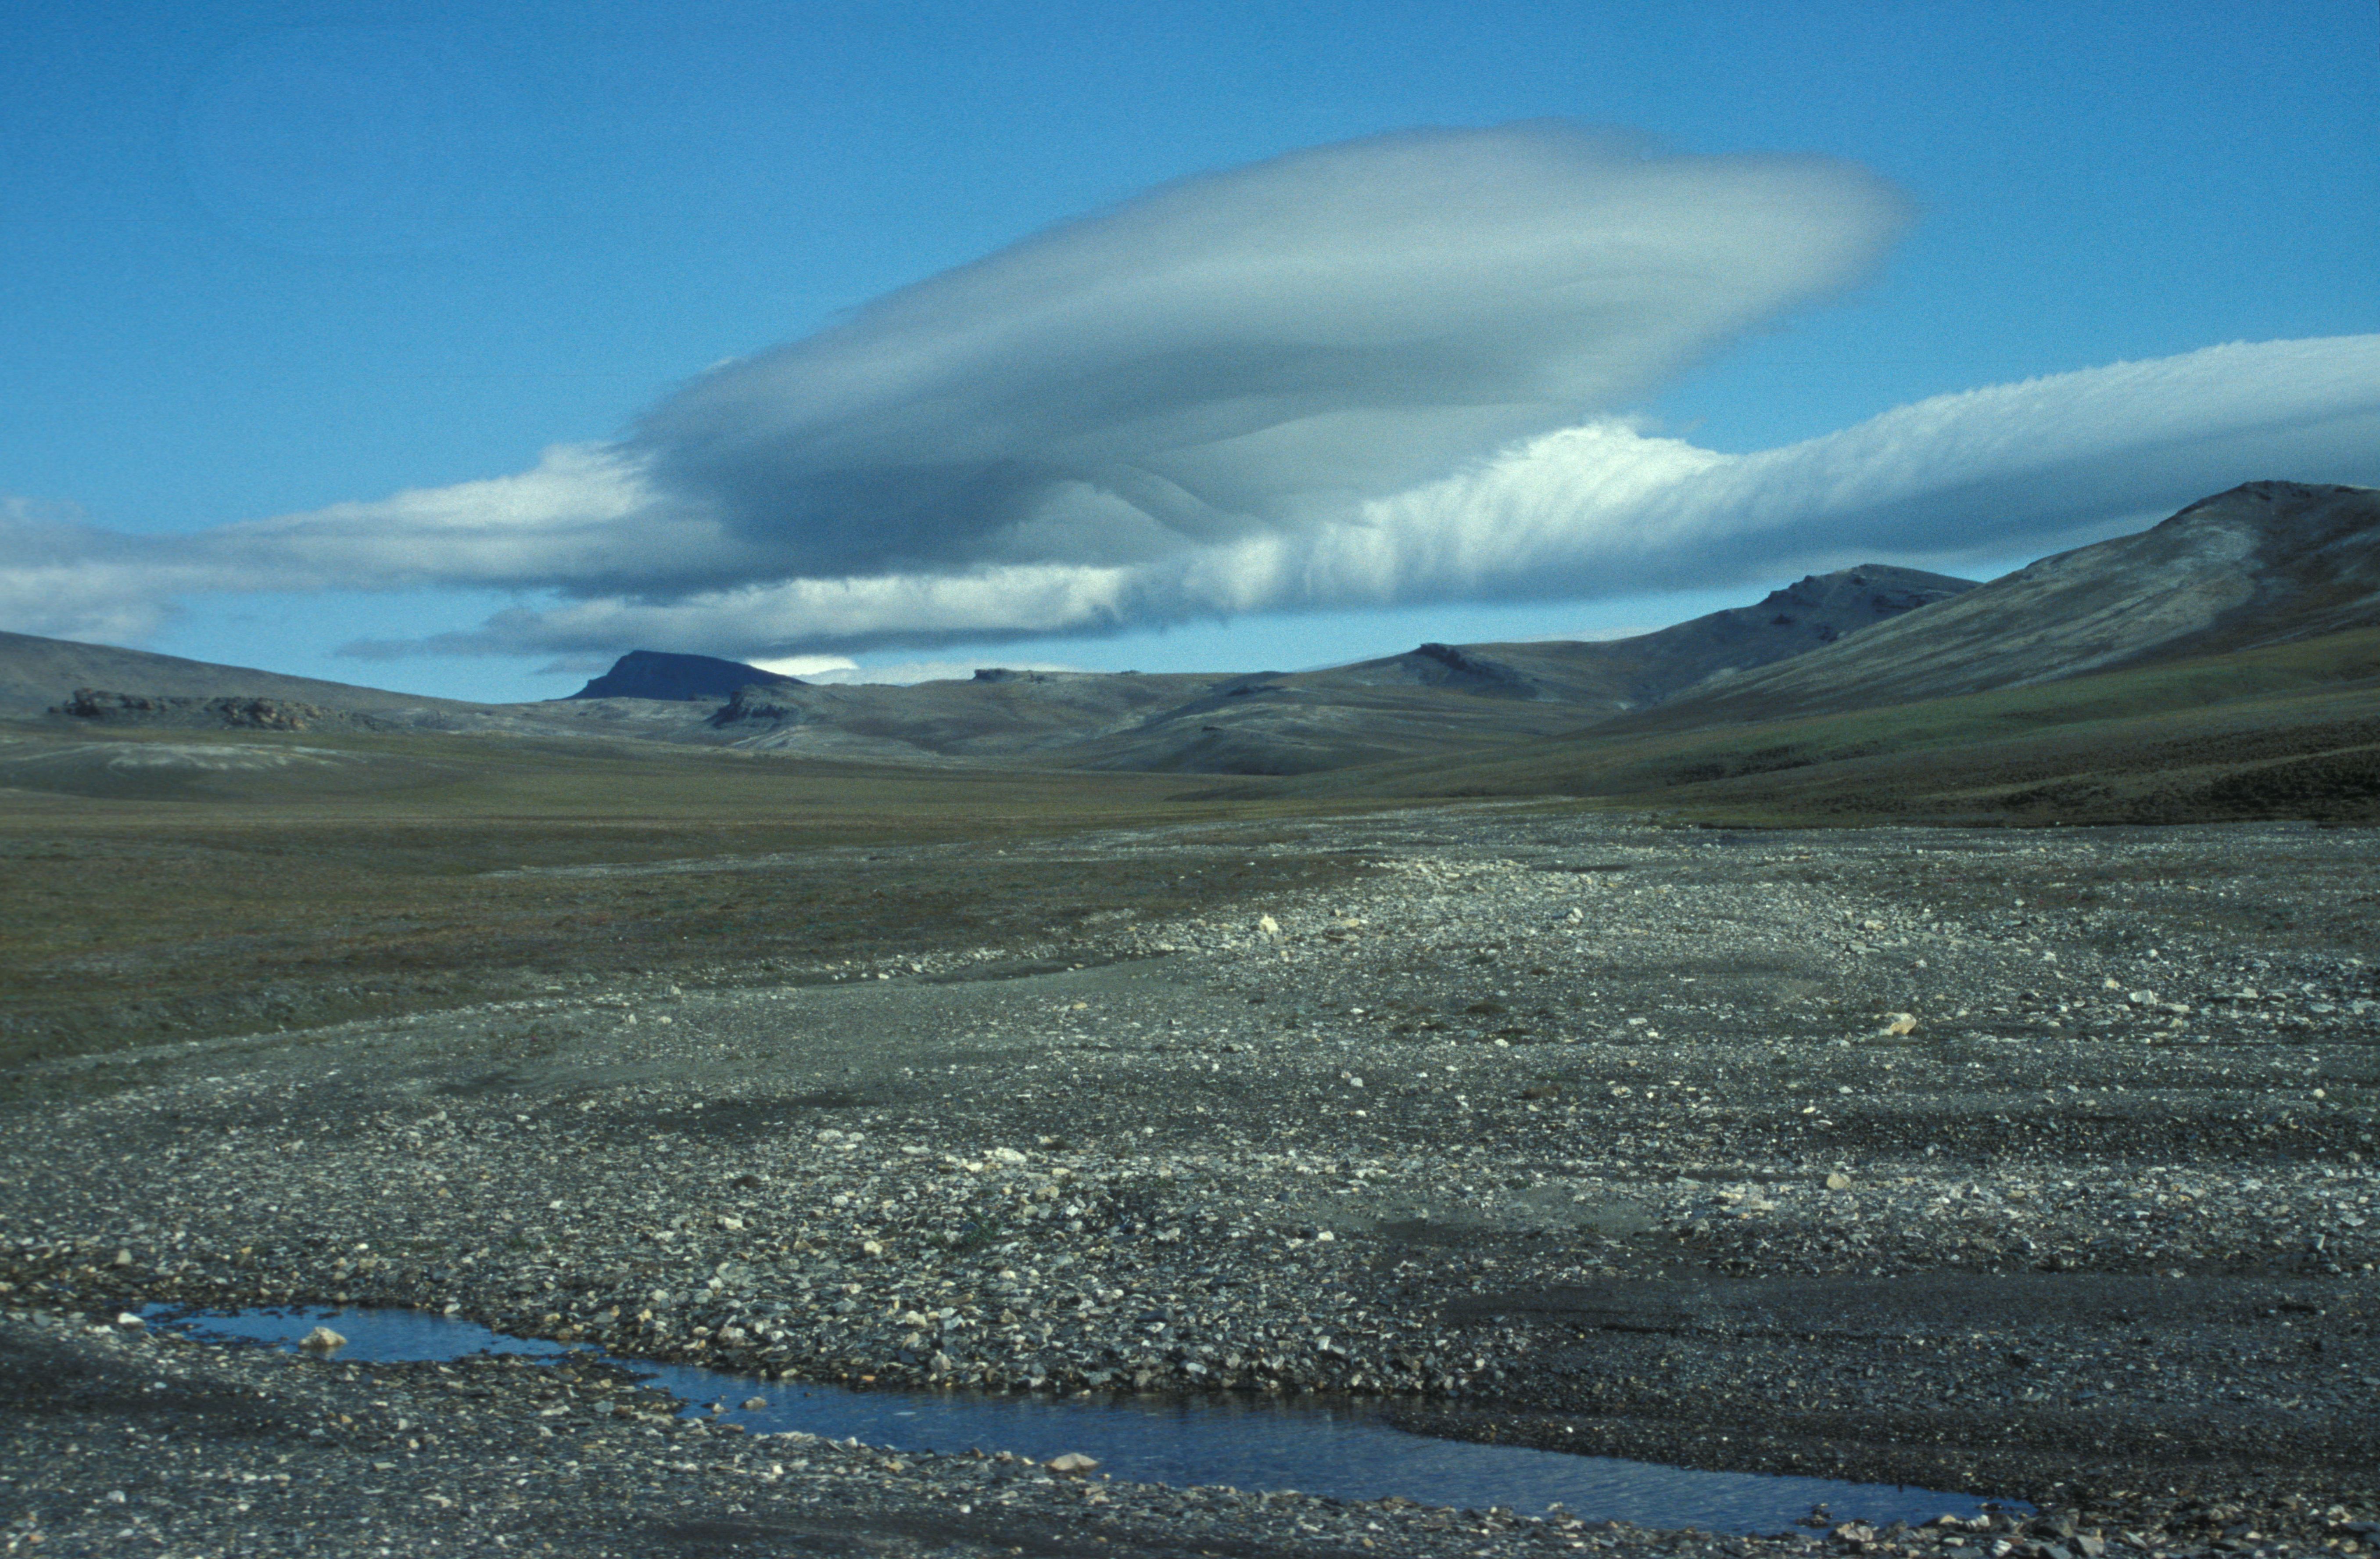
{"points": [[2260, 563], [2223, 664], [37, 674], [1436, 698]]}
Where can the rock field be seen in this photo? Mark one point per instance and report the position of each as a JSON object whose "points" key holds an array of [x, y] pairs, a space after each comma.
{"points": [[2039, 1165]]}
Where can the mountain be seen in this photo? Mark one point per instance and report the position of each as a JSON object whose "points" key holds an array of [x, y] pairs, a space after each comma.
{"points": [[998, 715], [1436, 698], [1453, 698], [1622, 673], [40, 673], [2222, 664], [2281, 730], [2264, 564], [654, 673]]}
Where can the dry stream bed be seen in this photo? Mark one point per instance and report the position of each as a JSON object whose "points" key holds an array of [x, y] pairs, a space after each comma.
{"points": [[2028, 1163]]}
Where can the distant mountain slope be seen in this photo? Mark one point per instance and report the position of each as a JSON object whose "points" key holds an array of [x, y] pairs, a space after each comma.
{"points": [[1455, 698], [37, 674], [2282, 730], [2267, 563], [654, 673], [997, 714], [1439, 698], [1648, 667]]}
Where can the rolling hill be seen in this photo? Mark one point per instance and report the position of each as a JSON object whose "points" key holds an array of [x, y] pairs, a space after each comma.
{"points": [[1437, 698], [2269, 562], [39, 673], [2224, 662]]}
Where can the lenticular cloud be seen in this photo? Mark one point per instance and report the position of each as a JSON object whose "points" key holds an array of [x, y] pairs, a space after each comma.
{"points": [[1604, 508], [1389, 372], [1248, 352]]}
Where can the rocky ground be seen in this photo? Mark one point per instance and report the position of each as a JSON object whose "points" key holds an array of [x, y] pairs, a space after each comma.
{"points": [[2038, 1165]]}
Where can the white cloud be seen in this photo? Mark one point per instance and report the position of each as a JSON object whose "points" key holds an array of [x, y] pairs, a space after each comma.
{"points": [[1604, 509], [903, 674], [1601, 509], [65, 579], [1243, 352], [813, 666], [1596, 509], [1377, 374]]}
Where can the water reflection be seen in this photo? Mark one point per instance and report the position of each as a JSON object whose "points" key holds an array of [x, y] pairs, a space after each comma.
{"points": [[1340, 1448]]}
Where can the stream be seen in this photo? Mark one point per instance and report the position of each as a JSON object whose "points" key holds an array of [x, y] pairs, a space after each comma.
{"points": [[1340, 1448]]}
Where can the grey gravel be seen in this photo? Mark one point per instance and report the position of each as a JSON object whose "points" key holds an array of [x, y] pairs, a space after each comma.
{"points": [[2037, 1164]]}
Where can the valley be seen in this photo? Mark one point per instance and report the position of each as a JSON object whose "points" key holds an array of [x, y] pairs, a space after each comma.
{"points": [[2036, 1164], [1687, 1049]]}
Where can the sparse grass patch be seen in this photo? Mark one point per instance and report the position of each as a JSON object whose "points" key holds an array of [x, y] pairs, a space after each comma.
{"points": [[2292, 731], [527, 865]]}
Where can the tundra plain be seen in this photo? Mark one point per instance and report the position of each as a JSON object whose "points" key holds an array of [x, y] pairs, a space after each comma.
{"points": [[2034, 1161]]}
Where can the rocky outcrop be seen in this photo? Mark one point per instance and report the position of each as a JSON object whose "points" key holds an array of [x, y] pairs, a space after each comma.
{"points": [[760, 704], [239, 713], [1446, 666]]}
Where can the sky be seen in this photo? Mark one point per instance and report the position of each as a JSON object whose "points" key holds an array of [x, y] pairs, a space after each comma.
{"points": [[461, 348]]}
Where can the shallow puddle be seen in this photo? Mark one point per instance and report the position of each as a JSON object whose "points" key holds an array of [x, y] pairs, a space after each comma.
{"points": [[1340, 1449]]}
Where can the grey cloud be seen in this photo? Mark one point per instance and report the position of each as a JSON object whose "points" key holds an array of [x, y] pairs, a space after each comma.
{"points": [[1599, 509], [1372, 374], [1604, 509], [1241, 351]]}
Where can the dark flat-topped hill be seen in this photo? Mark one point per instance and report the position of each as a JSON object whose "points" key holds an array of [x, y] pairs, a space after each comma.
{"points": [[655, 674]]}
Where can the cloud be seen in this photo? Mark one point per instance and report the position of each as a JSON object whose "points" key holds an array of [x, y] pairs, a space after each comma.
{"points": [[1239, 352], [62, 577], [1977, 471], [902, 674], [1389, 372], [809, 667], [1605, 509]]}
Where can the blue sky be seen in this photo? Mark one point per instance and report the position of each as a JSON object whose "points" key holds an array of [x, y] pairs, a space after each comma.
{"points": [[260, 261]]}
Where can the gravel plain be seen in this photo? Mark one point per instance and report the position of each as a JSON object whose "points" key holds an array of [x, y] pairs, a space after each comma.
{"points": [[2035, 1163]]}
